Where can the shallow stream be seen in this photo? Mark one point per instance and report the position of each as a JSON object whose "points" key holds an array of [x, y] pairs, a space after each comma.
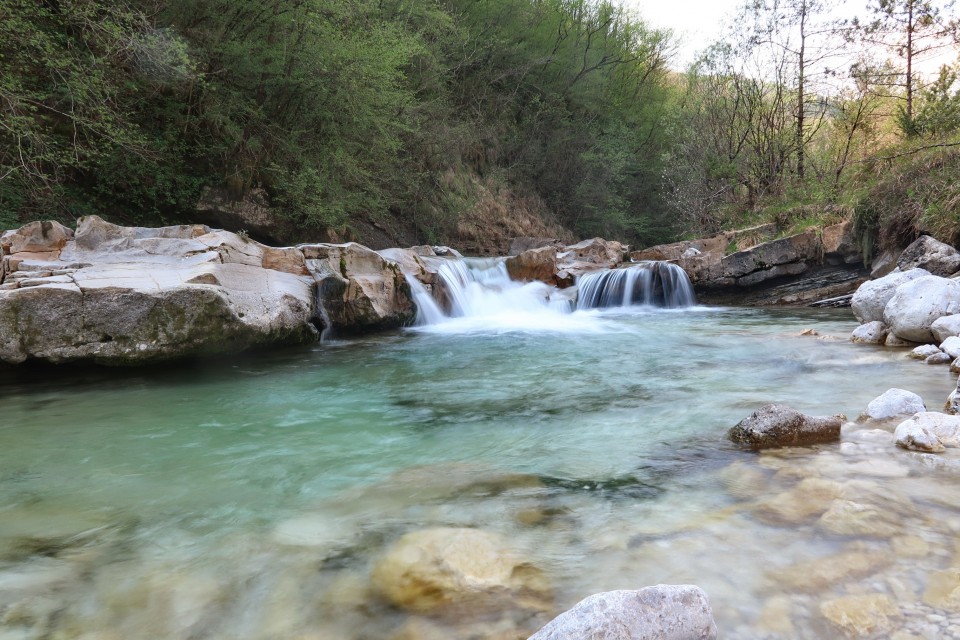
{"points": [[251, 499]]}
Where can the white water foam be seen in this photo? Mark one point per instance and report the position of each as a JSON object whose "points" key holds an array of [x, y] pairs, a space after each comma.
{"points": [[481, 298]]}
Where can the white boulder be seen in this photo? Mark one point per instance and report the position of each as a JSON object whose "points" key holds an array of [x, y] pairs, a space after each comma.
{"points": [[918, 303], [893, 402], [872, 297]]}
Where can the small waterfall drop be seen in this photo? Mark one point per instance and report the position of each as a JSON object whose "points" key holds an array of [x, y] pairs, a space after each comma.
{"points": [[478, 294], [658, 284]]}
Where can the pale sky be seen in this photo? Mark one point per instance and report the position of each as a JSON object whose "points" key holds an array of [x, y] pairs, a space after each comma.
{"points": [[698, 23]]}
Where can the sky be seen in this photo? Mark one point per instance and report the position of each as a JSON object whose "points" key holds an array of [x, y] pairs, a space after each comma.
{"points": [[697, 23]]}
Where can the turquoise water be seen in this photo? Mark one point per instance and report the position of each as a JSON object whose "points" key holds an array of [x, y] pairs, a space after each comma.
{"points": [[236, 499]]}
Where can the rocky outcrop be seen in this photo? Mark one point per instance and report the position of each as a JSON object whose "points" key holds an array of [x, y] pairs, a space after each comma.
{"points": [[776, 425], [251, 213], [927, 253], [801, 269], [453, 571], [663, 612], [129, 295]]}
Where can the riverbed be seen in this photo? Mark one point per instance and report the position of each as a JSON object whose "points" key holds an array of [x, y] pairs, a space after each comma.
{"points": [[252, 498]]}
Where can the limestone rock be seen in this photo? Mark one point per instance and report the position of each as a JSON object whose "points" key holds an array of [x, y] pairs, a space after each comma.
{"points": [[874, 332], [916, 304], [871, 297], [923, 352], [893, 402], [359, 289], [915, 437], [452, 570], [36, 237], [951, 346], [588, 255], [663, 612], [534, 264], [943, 426], [862, 615], [938, 358], [776, 425], [894, 341], [526, 243], [927, 253], [945, 327]]}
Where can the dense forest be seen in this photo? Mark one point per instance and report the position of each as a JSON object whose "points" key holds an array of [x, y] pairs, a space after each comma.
{"points": [[420, 114]]}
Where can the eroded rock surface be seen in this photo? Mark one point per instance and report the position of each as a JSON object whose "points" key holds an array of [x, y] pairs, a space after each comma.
{"points": [[127, 295]]}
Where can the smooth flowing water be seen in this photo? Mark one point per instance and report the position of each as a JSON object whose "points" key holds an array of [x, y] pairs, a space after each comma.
{"points": [[251, 499]]}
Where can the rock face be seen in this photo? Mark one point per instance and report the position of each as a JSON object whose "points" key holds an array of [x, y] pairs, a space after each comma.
{"points": [[893, 402], [915, 306], [927, 253], [358, 289], [663, 612], [452, 570], [840, 244], [534, 264], [776, 425], [589, 255], [871, 297], [128, 295], [787, 256]]}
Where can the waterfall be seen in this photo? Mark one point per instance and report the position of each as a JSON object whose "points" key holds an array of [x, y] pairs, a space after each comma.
{"points": [[479, 291], [659, 284]]}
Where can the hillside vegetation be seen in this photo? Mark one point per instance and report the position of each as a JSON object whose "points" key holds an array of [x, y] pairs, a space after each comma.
{"points": [[457, 120]]}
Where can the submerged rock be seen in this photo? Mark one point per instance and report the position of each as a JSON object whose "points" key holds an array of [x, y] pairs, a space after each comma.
{"points": [[862, 615], [893, 402], [777, 425], [453, 571], [663, 612]]}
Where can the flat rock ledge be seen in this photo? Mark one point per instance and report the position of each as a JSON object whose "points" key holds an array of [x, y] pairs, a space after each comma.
{"points": [[777, 425], [132, 295], [662, 612]]}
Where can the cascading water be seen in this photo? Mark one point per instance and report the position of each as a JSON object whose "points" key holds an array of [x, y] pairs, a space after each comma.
{"points": [[659, 284], [481, 289]]}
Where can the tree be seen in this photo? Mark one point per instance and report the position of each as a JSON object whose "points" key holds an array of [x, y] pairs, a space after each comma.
{"points": [[912, 30]]}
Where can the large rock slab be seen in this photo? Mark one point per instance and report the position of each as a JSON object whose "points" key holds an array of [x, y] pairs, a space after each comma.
{"points": [[871, 297], [928, 253], [457, 571], [917, 304], [777, 425], [663, 612], [798, 249], [129, 295]]}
